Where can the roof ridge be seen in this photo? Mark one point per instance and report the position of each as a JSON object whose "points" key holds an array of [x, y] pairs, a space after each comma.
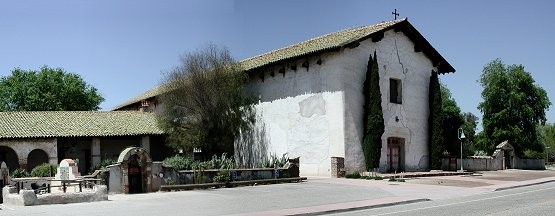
{"points": [[323, 36]]}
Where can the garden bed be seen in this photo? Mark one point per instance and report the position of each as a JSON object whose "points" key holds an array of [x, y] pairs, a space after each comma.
{"points": [[230, 184]]}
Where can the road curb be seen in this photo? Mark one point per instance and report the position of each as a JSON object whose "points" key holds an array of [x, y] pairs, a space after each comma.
{"points": [[364, 207], [523, 185]]}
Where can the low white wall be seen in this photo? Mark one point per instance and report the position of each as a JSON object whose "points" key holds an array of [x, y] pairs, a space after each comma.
{"points": [[492, 164], [530, 164], [115, 179], [28, 197]]}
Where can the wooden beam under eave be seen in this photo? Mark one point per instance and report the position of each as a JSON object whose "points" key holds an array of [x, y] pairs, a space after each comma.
{"points": [[282, 71], [353, 45], [417, 48], [378, 36], [294, 68]]}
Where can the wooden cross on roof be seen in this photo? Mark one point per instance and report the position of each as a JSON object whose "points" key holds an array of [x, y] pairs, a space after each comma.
{"points": [[394, 13]]}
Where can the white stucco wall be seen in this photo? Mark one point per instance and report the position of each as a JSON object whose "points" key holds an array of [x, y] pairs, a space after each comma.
{"points": [[317, 114], [302, 112]]}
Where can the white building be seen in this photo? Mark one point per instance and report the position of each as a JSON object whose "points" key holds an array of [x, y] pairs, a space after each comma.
{"points": [[311, 97]]}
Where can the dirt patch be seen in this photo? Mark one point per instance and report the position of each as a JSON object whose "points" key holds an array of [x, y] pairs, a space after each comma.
{"points": [[447, 182], [515, 175]]}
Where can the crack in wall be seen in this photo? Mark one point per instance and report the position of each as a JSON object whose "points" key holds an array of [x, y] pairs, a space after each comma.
{"points": [[398, 57]]}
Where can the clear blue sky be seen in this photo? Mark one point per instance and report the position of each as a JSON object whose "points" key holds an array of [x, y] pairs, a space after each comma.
{"points": [[123, 47]]}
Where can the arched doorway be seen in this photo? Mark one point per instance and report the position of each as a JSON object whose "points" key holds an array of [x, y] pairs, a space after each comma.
{"points": [[136, 170], [9, 156], [35, 158]]}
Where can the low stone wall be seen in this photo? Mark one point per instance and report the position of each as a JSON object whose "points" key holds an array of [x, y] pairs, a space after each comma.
{"points": [[492, 164], [28, 197], [482, 163], [530, 164], [188, 176]]}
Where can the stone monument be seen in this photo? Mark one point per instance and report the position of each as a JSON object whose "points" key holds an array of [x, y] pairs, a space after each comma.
{"points": [[4, 174], [67, 170]]}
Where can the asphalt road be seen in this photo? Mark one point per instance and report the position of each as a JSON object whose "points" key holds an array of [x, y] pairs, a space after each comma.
{"points": [[530, 200]]}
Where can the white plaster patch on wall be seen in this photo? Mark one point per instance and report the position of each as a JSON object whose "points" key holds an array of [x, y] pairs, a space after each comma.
{"points": [[302, 111], [314, 105]]}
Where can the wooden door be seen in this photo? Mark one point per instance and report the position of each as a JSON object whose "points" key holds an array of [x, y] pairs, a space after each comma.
{"points": [[394, 158]]}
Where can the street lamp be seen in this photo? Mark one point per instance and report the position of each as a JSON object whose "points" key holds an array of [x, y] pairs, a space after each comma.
{"points": [[547, 153], [461, 137]]}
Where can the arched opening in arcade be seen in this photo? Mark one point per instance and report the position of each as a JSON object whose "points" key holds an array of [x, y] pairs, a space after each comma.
{"points": [[9, 156], [35, 158]]}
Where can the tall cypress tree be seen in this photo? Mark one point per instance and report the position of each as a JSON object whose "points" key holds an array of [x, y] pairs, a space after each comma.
{"points": [[435, 130], [373, 122]]}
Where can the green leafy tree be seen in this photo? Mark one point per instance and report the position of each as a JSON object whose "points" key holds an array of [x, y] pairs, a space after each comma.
{"points": [[547, 137], [469, 127], [374, 122], [204, 105], [452, 120], [49, 89], [513, 106], [435, 119]]}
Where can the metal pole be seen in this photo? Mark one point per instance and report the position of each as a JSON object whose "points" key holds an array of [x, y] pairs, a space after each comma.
{"points": [[461, 157]]}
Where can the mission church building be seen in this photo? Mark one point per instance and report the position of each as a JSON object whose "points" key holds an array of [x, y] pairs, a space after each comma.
{"points": [[311, 97]]}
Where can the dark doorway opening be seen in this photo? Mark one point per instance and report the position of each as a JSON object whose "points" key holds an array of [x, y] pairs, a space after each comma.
{"points": [[9, 156], [135, 175], [35, 158]]}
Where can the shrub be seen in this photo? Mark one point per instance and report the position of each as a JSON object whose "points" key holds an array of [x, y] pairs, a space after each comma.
{"points": [[275, 160], [355, 175], [393, 179], [199, 167], [102, 165], [179, 162], [20, 173], [43, 170], [480, 153], [222, 162], [222, 176], [530, 154]]}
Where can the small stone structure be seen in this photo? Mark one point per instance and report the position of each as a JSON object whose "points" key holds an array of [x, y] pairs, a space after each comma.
{"points": [[337, 167], [67, 170], [132, 173]]}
